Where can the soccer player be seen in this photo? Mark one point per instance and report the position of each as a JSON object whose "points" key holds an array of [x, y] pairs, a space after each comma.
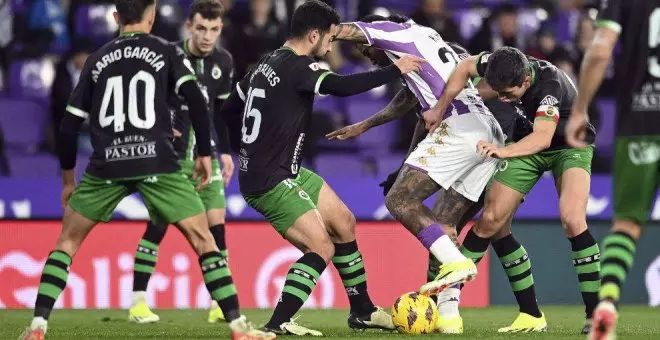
{"points": [[546, 95], [446, 159], [636, 156], [504, 243], [133, 75], [213, 68], [276, 99]]}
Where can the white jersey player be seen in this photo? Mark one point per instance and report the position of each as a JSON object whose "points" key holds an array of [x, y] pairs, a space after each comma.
{"points": [[447, 159]]}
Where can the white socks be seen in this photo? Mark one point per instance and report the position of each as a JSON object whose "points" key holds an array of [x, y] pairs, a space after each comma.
{"points": [[445, 250], [448, 301], [39, 323], [140, 296]]}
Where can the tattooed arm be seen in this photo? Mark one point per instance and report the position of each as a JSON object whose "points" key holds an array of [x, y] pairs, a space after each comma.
{"points": [[401, 104], [350, 32]]}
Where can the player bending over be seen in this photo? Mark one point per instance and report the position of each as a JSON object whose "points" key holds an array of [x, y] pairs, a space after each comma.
{"points": [[213, 68], [132, 76], [545, 94], [446, 159], [504, 243], [636, 160], [276, 99]]}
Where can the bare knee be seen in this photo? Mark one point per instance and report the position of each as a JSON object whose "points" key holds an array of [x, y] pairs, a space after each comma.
{"points": [[397, 205], [343, 227], [489, 224], [573, 221], [632, 228], [197, 232], [323, 247]]}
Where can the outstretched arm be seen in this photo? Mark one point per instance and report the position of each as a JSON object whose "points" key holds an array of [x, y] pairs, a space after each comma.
{"points": [[350, 32], [401, 104]]}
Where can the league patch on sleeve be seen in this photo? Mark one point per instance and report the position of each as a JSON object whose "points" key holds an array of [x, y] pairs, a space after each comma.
{"points": [[315, 66], [547, 112], [549, 100]]}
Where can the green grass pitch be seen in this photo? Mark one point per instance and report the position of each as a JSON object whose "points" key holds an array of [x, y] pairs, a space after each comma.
{"points": [[636, 322]]}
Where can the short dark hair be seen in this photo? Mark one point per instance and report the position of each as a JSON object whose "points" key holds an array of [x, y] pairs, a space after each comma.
{"points": [[507, 67], [132, 11], [398, 18], [312, 15], [207, 9]]}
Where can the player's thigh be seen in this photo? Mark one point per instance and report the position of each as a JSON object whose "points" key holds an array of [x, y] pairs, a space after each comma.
{"points": [[635, 177], [282, 205], [75, 227], [212, 195], [170, 197], [308, 234], [338, 219], [520, 173], [216, 216], [96, 198], [501, 204]]}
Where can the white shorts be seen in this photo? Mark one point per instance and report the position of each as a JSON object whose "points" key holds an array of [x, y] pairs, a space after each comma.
{"points": [[449, 155]]}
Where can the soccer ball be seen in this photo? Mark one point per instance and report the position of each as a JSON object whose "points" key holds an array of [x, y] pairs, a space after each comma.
{"points": [[414, 313]]}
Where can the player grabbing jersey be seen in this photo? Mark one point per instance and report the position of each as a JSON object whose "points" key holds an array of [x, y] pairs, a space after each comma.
{"points": [[637, 143], [276, 99], [213, 68], [545, 95], [446, 159], [123, 91]]}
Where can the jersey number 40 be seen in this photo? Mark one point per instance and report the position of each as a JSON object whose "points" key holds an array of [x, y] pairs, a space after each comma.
{"points": [[114, 89], [252, 112]]}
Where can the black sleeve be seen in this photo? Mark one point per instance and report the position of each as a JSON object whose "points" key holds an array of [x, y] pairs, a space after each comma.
{"points": [[199, 115], [610, 15], [67, 140], [221, 127], [231, 114], [482, 63], [344, 86]]}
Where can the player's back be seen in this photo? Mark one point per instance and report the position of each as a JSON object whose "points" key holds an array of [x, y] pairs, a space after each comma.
{"points": [[277, 112], [398, 39], [638, 63], [129, 81]]}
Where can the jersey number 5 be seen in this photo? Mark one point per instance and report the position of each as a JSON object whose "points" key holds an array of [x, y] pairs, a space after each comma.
{"points": [[252, 112], [114, 89]]}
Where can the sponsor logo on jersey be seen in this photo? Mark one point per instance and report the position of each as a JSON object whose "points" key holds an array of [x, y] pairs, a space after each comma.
{"points": [[242, 163], [641, 153], [130, 147], [549, 100], [216, 72]]}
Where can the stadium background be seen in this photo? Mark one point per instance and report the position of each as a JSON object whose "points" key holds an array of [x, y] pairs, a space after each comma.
{"points": [[43, 41]]}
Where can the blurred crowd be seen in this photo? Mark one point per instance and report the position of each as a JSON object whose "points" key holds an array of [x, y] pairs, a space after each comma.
{"points": [[44, 44]]}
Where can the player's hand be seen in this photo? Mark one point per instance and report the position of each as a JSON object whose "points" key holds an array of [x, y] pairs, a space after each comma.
{"points": [[431, 119], [203, 171], [176, 133], [227, 167], [486, 149], [68, 185], [409, 63], [576, 129], [347, 132]]}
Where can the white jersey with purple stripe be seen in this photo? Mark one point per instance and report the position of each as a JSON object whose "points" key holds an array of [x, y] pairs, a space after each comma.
{"points": [[398, 40]]}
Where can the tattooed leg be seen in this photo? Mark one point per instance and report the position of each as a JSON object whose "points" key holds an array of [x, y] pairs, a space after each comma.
{"points": [[405, 202]]}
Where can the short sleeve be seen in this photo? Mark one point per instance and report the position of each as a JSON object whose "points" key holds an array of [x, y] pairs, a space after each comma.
{"points": [[610, 15], [181, 69], [549, 98], [308, 75], [388, 35], [226, 78], [482, 63], [80, 101]]}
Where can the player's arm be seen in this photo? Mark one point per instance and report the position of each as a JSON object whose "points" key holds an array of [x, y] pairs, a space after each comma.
{"points": [[224, 90], [402, 103], [351, 32], [537, 141], [230, 113], [465, 70]]}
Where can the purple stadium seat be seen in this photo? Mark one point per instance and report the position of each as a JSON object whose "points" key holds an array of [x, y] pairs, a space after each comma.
{"points": [[606, 130], [31, 78], [95, 22], [378, 139], [23, 123], [39, 165], [388, 163], [339, 165]]}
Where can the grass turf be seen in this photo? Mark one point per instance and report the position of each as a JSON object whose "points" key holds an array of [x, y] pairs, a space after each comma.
{"points": [[565, 322]]}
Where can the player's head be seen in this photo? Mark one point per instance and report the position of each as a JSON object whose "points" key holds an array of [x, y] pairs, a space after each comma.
{"points": [[313, 23], [509, 73], [205, 24], [135, 12]]}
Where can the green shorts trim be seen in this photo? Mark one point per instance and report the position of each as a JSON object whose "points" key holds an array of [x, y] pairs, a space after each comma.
{"points": [[169, 197], [288, 200], [212, 195], [635, 176], [522, 173]]}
